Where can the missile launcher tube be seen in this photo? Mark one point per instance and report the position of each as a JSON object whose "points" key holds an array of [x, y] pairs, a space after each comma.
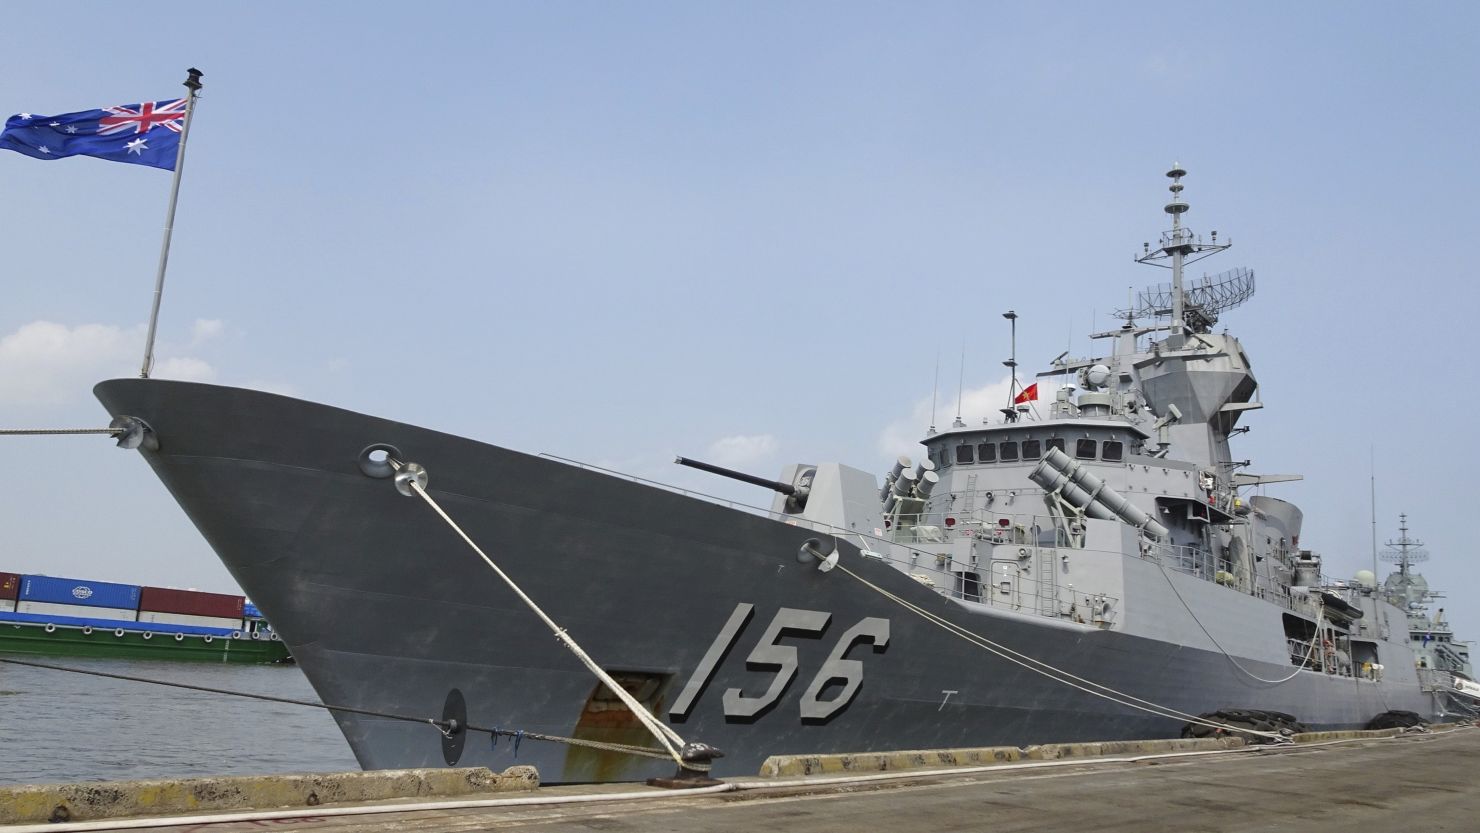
{"points": [[1089, 493]]}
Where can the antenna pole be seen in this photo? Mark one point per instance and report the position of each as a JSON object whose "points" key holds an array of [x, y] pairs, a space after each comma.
{"points": [[1011, 363], [1177, 207], [1179, 247], [934, 394], [1372, 466], [961, 388]]}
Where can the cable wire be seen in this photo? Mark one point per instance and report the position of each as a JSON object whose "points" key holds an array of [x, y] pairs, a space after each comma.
{"points": [[1058, 674], [665, 735], [1309, 656]]}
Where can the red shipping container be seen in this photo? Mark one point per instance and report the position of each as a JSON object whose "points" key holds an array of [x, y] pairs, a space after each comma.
{"points": [[10, 585], [191, 603]]}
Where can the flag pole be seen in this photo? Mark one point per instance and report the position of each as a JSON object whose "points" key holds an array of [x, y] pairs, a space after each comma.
{"points": [[192, 83]]}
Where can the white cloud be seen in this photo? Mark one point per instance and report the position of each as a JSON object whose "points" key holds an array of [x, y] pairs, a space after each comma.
{"points": [[184, 369], [45, 363], [742, 450], [205, 329], [902, 436]]}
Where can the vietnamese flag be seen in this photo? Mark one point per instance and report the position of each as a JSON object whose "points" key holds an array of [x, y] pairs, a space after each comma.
{"points": [[1029, 394]]}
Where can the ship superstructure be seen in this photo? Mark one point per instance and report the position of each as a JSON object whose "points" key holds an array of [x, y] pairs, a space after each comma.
{"points": [[1129, 468], [1096, 572], [1443, 661]]}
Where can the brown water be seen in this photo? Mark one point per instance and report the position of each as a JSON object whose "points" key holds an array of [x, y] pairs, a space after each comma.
{"points": [[57, 727]]}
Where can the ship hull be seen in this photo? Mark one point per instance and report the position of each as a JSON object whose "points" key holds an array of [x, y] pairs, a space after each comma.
{"points": [[114, 640], [386, 609]]}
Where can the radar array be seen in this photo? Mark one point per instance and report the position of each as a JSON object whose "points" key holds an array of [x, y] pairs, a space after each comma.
{"points": [[1194, 308], [1203, 300], [1405, 550]]}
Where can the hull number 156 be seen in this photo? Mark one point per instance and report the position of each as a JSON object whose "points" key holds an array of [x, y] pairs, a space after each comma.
{"points": [[769, 653]]}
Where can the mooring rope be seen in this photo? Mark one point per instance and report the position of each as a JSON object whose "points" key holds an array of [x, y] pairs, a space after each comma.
{"points": [[665, 735], [1309, 655], [42, 432], [443, 726], [1054, 673]]}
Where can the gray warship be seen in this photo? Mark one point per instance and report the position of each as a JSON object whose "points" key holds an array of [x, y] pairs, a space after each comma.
{"points": [[1444, 665], [1100, 571]]}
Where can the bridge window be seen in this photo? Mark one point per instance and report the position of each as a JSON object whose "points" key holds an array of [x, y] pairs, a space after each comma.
{"points": [[1113, 451], [1009, 452], [1056, 442], [1085, 449], [986, 453], [1032, 449], [963, 453]]}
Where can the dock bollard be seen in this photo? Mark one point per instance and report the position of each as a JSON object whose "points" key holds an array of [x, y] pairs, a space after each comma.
{"points": [[694, 771]]}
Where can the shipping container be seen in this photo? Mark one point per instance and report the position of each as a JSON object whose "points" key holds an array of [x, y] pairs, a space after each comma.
{"points": [[250, 611], [235, 623], [77, 611], [128, 627], [191, 603], [71, 591], [10, 586], [6, 605]]}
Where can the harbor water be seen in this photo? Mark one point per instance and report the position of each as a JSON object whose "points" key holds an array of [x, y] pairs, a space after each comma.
{"points": [[57, 726]]}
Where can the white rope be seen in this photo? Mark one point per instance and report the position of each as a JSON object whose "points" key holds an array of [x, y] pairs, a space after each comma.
{"points": [[1053, 673], [1309, 655], [666, 736], [47, 432]]}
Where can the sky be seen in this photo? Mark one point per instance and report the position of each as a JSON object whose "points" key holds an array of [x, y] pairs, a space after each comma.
{"points": [[747, 233]]}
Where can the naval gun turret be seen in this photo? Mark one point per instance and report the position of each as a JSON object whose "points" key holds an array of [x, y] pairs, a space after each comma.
{"points": [[796, 493], [832, 497]]}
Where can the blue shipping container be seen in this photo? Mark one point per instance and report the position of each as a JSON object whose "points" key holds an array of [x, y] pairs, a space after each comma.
{"points": [[71, 591], [250, 611]]}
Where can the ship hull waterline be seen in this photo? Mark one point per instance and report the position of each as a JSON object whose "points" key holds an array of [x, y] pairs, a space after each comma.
{"points": [[120, 643], [386, 609]]}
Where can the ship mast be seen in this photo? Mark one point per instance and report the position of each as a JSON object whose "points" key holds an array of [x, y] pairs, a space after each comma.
{"points": [[1180, 247], [1408, 550]]}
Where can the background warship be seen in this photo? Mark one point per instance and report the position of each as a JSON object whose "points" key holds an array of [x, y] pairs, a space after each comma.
{"points": [[1098, 573]]}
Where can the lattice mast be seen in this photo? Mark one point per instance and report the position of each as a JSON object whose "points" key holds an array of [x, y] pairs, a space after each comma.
{"points": [[1405, 551]]}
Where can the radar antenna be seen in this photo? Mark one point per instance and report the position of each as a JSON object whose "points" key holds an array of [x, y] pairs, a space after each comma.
{"points": [[1405, 550], [1179, 247], [1202, 300]]}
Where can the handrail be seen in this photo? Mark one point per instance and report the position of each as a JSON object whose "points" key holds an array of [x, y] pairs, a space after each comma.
{"points": [[1189, 560]]}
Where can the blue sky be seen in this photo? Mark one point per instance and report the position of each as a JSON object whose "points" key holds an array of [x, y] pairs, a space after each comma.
{"points": [[617, 232]]}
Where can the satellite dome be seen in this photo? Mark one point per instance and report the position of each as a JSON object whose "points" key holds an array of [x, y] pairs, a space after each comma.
{"points": [[1366, 578]]}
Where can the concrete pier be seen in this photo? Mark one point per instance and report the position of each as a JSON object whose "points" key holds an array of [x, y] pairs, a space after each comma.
{"points": [[1377, 781]]}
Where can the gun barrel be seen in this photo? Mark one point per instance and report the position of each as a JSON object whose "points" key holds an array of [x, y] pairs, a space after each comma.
{"points": [[774, 485]]}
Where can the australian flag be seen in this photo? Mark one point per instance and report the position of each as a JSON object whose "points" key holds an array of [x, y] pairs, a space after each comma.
{"points": [[140, 134]]}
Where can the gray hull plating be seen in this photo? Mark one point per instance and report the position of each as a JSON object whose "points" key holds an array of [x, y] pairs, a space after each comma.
{"points": [[386, 609]]}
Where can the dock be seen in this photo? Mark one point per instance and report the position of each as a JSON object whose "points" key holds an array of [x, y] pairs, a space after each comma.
{"points": [[1332, 782]]}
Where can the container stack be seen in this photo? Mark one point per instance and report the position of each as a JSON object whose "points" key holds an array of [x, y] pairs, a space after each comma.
{"points": [[48, 595], [190, 607], [10, 587]]}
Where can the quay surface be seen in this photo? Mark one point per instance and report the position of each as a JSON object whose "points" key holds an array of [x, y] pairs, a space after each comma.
{"points": [[1406, 782]]}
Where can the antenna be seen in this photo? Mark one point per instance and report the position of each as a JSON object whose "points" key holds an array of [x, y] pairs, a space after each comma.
{"points": [[1372, 467], [1011, 363], [1408, 550], [935, 393], [1181, 247], [960, 388], [1201, 302]]}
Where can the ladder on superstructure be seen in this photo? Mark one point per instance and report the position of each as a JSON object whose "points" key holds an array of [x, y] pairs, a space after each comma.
{"points": [[1048, 596]]}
